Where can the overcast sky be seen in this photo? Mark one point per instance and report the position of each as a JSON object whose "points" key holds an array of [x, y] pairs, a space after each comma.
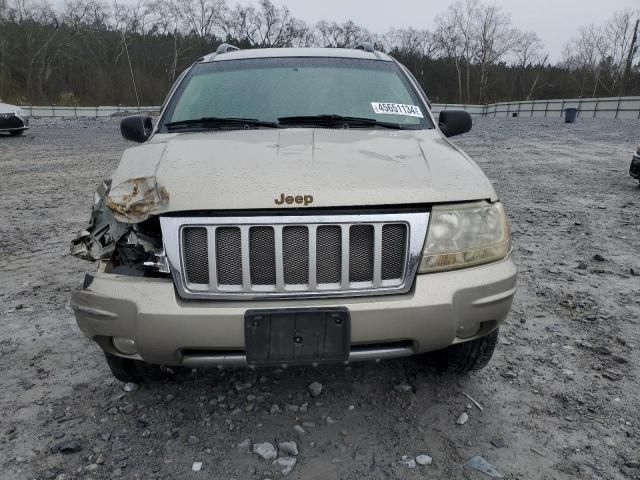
{"points": [[553, 20]]}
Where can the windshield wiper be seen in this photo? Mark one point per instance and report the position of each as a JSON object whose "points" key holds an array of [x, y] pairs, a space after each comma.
{"points": [[337, 120], [215, 122]]}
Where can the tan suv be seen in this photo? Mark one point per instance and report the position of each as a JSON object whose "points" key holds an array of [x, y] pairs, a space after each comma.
{"points": [[294, 206]]}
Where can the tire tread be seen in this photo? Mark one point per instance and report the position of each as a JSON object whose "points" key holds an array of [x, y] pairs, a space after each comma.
{"points": [[465, 357]]}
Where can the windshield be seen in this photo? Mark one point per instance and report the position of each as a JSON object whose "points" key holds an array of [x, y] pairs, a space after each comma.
{"points": [[269, 89]]}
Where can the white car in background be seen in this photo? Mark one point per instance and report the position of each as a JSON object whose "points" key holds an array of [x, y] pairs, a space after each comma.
{"points": [[13, 119]]}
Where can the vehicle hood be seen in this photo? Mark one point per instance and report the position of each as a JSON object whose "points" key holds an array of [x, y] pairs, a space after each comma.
{"points": [[251, 169], [6, 108]]}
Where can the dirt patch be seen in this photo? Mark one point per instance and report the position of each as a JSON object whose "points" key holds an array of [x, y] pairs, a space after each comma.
{"points": [[560, 397]]}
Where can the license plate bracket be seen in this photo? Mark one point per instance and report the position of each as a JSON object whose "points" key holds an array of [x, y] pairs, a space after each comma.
{"points": [[297, 336]]}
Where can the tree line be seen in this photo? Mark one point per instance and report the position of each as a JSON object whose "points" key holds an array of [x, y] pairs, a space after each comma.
{"points": [[90, 52]]}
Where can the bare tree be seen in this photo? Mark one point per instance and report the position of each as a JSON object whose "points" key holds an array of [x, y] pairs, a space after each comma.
{"points": [[168, 19], [38, 29], [94, 51], [599, 54], [413, 47], [633, 51], [201, 16], [529, 54], [494, 37], [85, 13], [455, 33], [340, 35], [618, 34], [582, 58], [266, 26]]}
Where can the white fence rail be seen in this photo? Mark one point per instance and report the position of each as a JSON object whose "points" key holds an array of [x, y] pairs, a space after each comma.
{"points": [[605, 107], [93, 112]]}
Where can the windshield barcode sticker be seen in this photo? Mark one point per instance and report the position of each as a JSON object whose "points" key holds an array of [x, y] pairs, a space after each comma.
{"points": [[396, 109]]}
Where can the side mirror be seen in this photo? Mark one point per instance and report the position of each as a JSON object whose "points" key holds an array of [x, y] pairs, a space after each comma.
{"points": [[136, 128], [454, 122]]}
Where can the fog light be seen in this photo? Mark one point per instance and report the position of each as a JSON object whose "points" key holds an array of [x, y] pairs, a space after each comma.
{"points": [[125, 345], [468, 331]]}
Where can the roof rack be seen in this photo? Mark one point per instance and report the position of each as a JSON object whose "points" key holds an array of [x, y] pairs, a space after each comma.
{"points": [[366, 46], [225, 48]]}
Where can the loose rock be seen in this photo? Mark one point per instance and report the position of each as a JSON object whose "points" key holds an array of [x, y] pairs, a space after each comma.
{"points": [[265, 450], [315, 389], [287, 462], [463, 418], [403, 388], [66, 447], [242, 386], [409, 462], [288, 448], [424, 460], [128, 409]]}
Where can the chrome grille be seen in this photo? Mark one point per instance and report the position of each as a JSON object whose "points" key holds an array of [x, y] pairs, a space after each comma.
{"points": [[262, 255], [329, 255], [361, 253], [228, 256], [196, 255], [394, 236], [295, 255]]}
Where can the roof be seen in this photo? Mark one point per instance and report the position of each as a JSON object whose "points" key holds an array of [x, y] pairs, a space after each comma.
{"points": [[296, 52]]}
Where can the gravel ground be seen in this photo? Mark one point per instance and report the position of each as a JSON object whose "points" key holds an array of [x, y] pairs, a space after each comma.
{"points": [[561, 397]]}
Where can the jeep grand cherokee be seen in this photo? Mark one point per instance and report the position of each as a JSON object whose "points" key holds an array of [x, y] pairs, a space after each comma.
{"points": [[294, 206]]}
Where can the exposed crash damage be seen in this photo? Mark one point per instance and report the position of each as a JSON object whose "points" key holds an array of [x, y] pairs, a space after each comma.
{"points": [[134, 200], [112, 236]]}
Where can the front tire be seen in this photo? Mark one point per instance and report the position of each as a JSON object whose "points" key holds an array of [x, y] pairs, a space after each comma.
{"points": [[15, 133], [465, 357], [135, 371]]}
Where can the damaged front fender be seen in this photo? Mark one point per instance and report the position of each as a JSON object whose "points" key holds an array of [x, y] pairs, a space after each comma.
{"points": [[98, 240], [136, 199], [131, 248]]}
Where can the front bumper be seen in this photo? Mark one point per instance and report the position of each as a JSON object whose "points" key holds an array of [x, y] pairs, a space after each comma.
{"points": [[634, 169], [169, 330], [10, 122]]}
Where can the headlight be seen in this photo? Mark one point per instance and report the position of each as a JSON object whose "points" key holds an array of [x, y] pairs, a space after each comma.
{"points": [[465, 235]]}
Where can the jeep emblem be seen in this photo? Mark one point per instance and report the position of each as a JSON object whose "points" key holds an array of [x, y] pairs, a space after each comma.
{"points": [[290, 199]]}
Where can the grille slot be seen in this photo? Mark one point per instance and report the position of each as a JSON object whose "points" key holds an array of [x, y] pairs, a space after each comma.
{"points": [[295, 255], [329, 254], [262, 255], [254, 257], [394, 250], [229, 256], [361, 244], [196, 255]]}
